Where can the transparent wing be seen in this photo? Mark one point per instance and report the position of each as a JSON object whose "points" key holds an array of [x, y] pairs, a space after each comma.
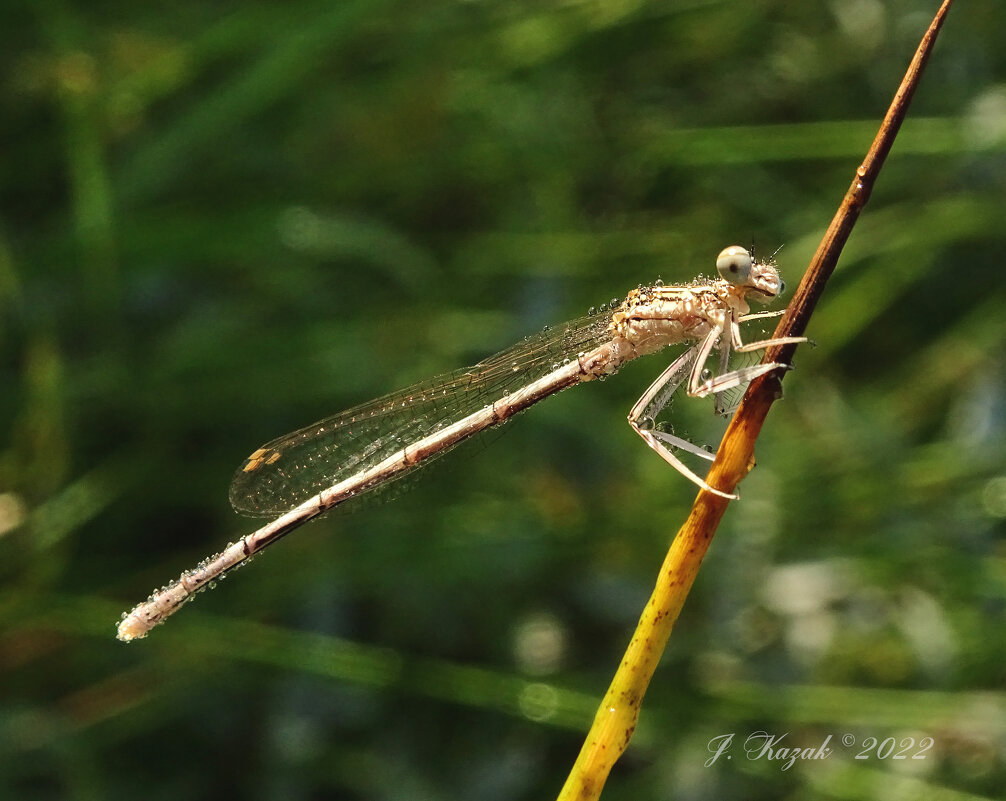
{"points": [[293, 468], [728, 400]]}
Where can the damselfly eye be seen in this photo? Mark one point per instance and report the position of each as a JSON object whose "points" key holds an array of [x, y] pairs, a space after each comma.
{"points": [[734, 264]]}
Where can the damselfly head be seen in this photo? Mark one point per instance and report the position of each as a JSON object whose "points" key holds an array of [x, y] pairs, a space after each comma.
{"points": [[758, 279]]}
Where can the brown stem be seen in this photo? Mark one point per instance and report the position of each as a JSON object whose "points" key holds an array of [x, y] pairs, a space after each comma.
{"points": [[736, 450], [618, 712]]}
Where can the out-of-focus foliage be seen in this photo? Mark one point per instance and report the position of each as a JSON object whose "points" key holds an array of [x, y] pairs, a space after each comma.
{"points": [[219, 222]]}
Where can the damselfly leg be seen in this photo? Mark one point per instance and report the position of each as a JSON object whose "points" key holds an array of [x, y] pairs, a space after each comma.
{"points": [[691, 365]]}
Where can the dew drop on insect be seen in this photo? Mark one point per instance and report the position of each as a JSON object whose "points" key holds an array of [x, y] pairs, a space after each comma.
{"points": [[591, 310], [707, 374], [613, 304], [658, 282], [645, 423]]}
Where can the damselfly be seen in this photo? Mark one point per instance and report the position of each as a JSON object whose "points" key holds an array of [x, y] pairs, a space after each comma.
{"points": [[306, 473]]}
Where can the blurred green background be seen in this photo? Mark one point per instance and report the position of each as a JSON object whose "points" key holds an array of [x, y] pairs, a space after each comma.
{"points": [[221, 222]]}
